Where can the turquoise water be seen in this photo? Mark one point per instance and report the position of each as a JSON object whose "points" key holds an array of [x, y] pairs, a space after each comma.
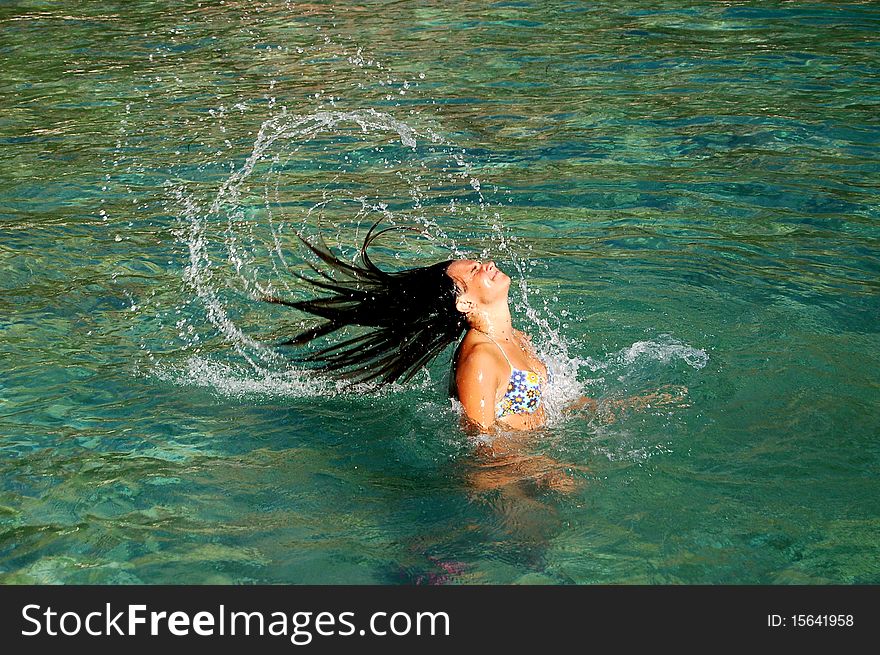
{"points": [[683, 195]]}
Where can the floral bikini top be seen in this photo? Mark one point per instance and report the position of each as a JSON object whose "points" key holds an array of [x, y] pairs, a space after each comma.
{"points": [[523, 395]]}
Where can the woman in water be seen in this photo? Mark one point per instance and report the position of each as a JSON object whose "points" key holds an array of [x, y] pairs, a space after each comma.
{"points": [[409, 317], [414, 314]]}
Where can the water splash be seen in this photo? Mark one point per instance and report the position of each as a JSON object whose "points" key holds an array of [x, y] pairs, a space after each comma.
{"points": [[651, 360], [238, 242], [235, 381], [667, 349], [198, 226], [223, 232]]}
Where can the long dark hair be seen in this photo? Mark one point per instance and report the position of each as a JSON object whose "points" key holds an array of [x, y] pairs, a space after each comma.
{"points": [[411, 312]]}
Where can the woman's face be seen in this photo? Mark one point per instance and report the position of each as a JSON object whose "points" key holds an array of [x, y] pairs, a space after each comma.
{"points": [[483, 283]]}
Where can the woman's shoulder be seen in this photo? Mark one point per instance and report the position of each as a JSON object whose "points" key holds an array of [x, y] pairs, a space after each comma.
{"points": [[478, 349], [477, 361]]}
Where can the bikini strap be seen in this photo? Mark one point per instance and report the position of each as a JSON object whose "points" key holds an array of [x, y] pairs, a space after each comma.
{"points": [[502, 351]]}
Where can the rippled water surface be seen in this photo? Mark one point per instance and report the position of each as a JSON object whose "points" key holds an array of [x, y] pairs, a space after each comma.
{"points": [[685, 195]]}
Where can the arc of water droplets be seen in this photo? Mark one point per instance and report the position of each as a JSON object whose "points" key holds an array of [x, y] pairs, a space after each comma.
{"points": [[198, 274]]}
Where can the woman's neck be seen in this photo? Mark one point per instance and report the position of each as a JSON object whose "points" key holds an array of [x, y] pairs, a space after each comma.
{"points": [[494, 322]]}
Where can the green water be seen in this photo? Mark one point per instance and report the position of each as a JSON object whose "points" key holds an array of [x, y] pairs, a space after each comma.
{"points": [[684, 194]]}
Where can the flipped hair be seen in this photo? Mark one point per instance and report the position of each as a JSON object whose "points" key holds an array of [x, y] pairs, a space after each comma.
{"points": [[410, 315]]}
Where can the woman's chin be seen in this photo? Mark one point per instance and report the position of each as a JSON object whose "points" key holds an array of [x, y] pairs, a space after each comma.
{"points": [[501, 285]]}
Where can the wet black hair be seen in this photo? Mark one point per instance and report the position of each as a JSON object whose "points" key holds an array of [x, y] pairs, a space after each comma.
{"points": [[410, 315]]}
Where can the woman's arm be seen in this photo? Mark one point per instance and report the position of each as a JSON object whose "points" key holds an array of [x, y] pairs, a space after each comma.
{"points": [[666, 395], [590, 404], [477, 380]]}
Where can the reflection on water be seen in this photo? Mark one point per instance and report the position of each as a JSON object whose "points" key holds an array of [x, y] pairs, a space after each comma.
{"points": [[685, 199]]}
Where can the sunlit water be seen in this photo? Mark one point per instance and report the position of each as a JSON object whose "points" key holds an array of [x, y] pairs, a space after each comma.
{"points": [[682, 196]]}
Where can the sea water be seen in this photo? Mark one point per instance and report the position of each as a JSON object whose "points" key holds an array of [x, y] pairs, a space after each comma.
{"points": [[685, 197]]}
